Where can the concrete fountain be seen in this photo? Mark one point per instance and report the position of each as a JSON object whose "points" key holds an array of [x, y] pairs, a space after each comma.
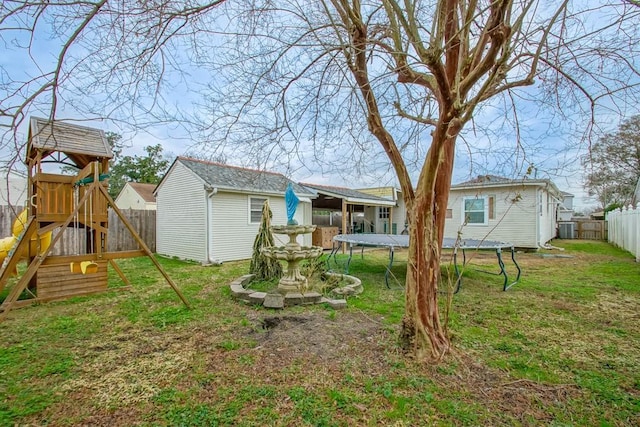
{"points": [[292, 281], [293, 288]]}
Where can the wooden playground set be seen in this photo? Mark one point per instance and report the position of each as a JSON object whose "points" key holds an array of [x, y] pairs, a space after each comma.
{"points": [[58, 204]]}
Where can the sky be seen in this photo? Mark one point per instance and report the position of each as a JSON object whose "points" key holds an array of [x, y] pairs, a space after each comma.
{"points": [[553, 147]]}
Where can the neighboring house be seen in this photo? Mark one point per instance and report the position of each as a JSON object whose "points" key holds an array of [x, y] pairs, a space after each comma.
{"points": [[211, 212], [136, 195], [565, 210], [13, 188], [522, 212], [381, 215]]}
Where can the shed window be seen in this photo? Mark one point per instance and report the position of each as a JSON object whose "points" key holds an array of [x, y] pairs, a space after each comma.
{"points": [[475, 210], [255, 209]]}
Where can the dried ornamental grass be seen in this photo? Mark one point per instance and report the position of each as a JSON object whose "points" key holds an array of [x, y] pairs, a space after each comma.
{"points": [[263, 267]]}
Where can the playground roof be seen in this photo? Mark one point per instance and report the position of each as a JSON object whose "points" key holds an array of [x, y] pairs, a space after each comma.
{"points": [[238, 179], [80, 144]]}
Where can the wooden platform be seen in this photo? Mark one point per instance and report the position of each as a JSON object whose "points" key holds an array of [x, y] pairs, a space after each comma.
{"points": [[55, 281]]}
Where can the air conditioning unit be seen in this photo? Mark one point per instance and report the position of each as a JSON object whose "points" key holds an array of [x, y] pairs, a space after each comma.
{"points": [[567, 230]]}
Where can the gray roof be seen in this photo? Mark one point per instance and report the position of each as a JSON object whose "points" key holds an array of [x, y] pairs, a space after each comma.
{"points": [[81, 144], [144, 190], [485, 179], [240, 179], [499, 181], [349, 194]]}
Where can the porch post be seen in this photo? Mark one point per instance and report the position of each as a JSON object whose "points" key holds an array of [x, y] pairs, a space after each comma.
{"points": [[344, 223]]}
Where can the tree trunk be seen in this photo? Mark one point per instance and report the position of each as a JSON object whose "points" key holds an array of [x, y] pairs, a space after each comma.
{"points": [[422, 331]]}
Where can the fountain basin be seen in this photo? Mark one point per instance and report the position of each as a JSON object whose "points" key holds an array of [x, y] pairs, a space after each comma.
{"points": [[293, 229], [285, 254]]}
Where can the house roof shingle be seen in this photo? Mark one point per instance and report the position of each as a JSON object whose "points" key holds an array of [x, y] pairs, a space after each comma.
{"points": [[350, 194], [81, 144], [144, 190], [500, 181], [241, 179]]}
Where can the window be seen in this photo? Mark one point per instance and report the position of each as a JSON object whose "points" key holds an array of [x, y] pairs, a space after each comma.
{"points": [[383, 213], [475, 210], [255, 209]]}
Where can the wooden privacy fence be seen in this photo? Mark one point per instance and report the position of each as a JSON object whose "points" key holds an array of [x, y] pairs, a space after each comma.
{"points": [[624, 229], [118, 238], [591, 229], [588, 229], [143, 221]]}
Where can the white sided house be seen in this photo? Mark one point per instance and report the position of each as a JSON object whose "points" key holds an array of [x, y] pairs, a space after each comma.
{"points": [[211, 212], [387, 220], [522, 212], [135, 195], [13, 188]]}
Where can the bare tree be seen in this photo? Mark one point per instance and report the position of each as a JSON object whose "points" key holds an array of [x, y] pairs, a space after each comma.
{"points": [[362, 84], [614, 165], [412, 74], [108, 59]]}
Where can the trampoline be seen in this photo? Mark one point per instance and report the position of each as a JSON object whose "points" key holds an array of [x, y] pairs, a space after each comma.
{"points": [[393, 241]]}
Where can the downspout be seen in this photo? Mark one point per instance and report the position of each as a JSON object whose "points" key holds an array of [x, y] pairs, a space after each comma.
{"points": [[211, 191], [537, 215]]}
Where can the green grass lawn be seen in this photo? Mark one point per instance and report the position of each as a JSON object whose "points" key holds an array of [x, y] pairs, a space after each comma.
{"points": [[562, 347]]}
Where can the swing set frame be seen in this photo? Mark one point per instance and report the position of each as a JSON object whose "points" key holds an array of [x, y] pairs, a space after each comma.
{"points": [[58, 202]]}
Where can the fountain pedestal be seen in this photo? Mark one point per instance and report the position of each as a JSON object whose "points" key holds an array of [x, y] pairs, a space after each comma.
{"points": [[292, 281]]}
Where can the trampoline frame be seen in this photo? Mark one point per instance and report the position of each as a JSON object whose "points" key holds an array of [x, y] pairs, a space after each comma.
{"points": [[393, 241]]}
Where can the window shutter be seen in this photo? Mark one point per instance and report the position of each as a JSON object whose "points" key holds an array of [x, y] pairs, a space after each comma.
{"points": [[492, 207]]}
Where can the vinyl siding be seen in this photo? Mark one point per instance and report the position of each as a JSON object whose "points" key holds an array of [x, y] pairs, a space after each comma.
{"points": [[13, 190], [399, 214], [547, 219], [232, 233], [304, 216], [386, 192], [130, 199], [513, 222], [181, 218]]}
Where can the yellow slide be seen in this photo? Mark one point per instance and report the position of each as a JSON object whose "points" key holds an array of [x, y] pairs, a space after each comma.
{"points": [[7, 244]]}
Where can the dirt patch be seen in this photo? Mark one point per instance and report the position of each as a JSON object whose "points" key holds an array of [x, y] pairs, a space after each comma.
{"points": [[318, 335], [325, 349]]}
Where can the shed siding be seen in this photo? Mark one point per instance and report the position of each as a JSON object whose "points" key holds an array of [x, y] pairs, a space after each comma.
{"points": [[181, 219], [232, 233], [514, 221], [304, 215]]}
